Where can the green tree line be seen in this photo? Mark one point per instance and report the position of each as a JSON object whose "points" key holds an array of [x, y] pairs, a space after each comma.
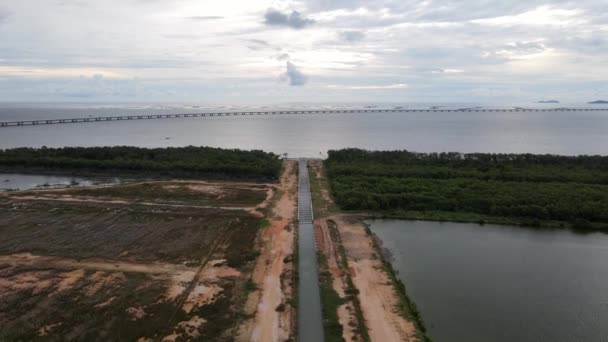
{"points": [[190, 160], [543, 187]]}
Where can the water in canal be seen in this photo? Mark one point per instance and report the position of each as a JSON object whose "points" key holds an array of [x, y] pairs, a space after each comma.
{"points": [[310, 327], [501, 283]]}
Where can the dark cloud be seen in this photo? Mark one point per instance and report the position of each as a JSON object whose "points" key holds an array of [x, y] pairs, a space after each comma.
{"points": [[352, 36], [294, 76], [502, 53], [526, 47], [3, 15], [294, 20], [259, 42], [283, 56], [204, 17], [182, 36]]}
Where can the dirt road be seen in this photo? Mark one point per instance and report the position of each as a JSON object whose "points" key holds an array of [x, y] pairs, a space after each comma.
{"points": [[376, 293], [377, 298], [273, 317]]}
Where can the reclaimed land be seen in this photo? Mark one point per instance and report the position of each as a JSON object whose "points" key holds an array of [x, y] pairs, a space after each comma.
{"points": [[522, 189], [76, 265], [269, 312], [152, 260]]}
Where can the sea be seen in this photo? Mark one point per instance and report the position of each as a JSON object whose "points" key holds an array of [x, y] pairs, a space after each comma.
{"points": [[312, 135]]}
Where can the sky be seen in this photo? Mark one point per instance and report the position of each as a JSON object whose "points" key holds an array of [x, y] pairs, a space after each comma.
{"points": [[249, 51]]}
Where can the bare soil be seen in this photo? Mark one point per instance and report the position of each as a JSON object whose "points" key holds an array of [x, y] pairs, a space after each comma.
{"points": [[273, 273], [142, 261], [323, 203], [377, 298], [201, 193], [377, 295]]}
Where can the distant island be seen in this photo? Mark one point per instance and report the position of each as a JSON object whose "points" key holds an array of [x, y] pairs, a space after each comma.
{"points": [[599, 102], [548, 101]]}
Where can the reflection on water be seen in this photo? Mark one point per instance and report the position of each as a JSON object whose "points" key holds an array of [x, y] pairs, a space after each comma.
{"points": [[500, 283], [25, 181]]}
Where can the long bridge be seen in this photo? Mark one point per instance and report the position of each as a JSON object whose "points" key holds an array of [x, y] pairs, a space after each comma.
{"points": [[282, 112]]}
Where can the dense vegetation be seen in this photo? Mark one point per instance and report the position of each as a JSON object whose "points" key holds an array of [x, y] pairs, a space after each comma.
{"points": [[528, 188], [191, 160]]}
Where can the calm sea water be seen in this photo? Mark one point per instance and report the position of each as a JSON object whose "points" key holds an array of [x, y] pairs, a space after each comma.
{"points": [[312, 135], [500, 283]]}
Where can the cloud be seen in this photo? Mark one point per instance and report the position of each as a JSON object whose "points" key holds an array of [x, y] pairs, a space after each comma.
{"points": [[294, 76], [233, 51], [543, 15], [352, 36], [283, 57], [518, 50], [447, 71], [526, 47], [4, 15], [294, 20], [49, 73], [182, 36], [260, 44], [368, 87], [82, 88], [204, 17]]}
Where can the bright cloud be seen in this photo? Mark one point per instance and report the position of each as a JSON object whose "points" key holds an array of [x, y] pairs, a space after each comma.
{"points": [[541, 16]]}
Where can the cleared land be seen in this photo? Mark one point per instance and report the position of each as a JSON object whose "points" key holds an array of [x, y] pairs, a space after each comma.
{"points": [[156, 261], [271, 305]]}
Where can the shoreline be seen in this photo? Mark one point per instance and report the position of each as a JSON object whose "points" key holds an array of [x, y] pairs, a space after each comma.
{"points": [[406, 305], [463, 217]]}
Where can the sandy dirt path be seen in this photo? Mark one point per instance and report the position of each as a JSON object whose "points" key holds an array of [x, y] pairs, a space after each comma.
{"points": [[327, 245], [272, 273], [376, 294], [81, 199], [211, 184], [95, 264]]}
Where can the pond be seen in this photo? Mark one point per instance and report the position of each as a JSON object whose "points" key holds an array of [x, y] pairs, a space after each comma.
{"points": [[501, 283]]}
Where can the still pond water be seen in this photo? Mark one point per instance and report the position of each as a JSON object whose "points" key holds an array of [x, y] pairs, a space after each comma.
{"points": [[501, 283]]}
